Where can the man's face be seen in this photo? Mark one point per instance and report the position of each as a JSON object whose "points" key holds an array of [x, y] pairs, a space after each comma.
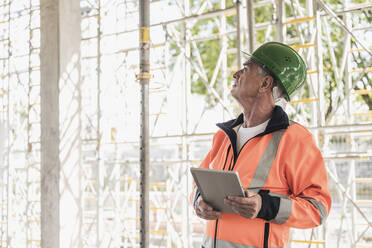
{"points": [[247, 82]]}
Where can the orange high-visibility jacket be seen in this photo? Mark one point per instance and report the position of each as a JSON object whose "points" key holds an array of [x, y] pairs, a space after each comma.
{"points": [[282, 164]]}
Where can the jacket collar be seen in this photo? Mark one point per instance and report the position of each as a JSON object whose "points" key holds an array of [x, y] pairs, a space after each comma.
{"points": [[279, 120]]}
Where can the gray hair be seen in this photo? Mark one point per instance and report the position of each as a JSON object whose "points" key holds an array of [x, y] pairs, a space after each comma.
{"points": [[279, 95]]}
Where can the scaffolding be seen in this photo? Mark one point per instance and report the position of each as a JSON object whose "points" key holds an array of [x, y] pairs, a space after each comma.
{"points": [[100, 113], [20, 110]]}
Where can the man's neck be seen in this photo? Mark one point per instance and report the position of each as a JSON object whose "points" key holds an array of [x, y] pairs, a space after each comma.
{"points": [[257, 113]]}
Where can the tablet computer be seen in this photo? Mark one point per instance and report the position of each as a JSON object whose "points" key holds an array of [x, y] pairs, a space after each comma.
{"points": [[216, 185]]}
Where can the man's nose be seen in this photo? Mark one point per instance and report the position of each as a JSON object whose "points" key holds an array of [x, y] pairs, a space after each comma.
{"points": [[236, 74]]}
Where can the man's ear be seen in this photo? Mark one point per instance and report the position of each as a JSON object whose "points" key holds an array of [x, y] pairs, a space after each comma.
{"points": [[267, 84]]}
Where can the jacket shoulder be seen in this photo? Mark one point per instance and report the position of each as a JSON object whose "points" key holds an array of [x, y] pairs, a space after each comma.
{"points": [[219, 136], [297, 131]]}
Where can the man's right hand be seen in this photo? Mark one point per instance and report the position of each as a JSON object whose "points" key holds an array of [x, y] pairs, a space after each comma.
{"points": [[204, 211]]}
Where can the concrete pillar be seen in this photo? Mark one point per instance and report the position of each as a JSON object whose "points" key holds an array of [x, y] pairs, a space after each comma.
{"points": [[49, 75], [60, 123]]}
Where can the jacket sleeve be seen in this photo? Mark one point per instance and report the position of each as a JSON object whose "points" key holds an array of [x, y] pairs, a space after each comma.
{"points": [[309, 203], [218, 139]]}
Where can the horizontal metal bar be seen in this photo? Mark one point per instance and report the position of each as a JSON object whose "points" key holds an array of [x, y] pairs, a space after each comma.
{"points": [[299, 20], [362, 70], [262, 3], [346, 157], [353, 126], [263, 25], [211, 37], [299, 46], [363, 202], [227, 11], [362, 92], [362, 28], [152, 138], [359, 50], [34, 241], [362, 114], [154, 161], [355, 8], [363, 180], [89, 16], [308, 242], [307, 100], [364, 132]]}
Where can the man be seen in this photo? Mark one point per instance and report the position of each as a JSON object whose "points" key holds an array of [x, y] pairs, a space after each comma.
{"points": [[279, 165]]}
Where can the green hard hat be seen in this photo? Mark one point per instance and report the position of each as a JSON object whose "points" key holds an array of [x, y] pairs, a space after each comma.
{"points": [[282, 62]]}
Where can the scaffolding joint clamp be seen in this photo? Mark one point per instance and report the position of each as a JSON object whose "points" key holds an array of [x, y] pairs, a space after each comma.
{"points": [[144, 34], [144, 75]]}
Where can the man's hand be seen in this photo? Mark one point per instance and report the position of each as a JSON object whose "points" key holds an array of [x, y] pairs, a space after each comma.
{"points": [[204, 211], [248, 206]]}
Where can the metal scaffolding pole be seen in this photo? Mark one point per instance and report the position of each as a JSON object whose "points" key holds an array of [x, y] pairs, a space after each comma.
{"points": [[250, 20], [238, 41], [144, 77], [280, 15]]}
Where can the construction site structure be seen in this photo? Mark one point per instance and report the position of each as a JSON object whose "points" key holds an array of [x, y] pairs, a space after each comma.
{"points": [[70, 105]]}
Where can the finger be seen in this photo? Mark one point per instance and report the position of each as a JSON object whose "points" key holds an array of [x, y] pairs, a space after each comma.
{"points": [[205, 208], [237, 198], [246, 193], [241, 200], [237, 210], [212, 213], [212, 216], [243, 213], [249, 193], [247, 207], [204, 205], [208, 211], [208, 215]]}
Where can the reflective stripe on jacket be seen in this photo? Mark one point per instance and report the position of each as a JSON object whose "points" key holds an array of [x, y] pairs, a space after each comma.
{"points": [[284, 162]]}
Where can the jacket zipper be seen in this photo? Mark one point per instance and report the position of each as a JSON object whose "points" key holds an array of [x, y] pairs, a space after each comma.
{"points": [[233, 162], [227, 155], [266, 235], [215, 235], [241, 150]]}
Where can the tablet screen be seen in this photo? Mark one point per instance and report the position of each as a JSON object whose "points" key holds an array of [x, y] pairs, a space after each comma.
{"points": [[216, 185]]}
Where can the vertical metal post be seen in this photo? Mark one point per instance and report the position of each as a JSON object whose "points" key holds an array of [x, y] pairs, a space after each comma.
{"points": [[250, 21], [144, 77], [350, 118], [238, 57], [186, 228], [100, 165], [319, 58], [8, 181], [223, 56], [29, 144], [280, 27], [312, 63]]}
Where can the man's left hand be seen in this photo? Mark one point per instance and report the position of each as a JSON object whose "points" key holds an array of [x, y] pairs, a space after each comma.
{"points": [[248, 206]]}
